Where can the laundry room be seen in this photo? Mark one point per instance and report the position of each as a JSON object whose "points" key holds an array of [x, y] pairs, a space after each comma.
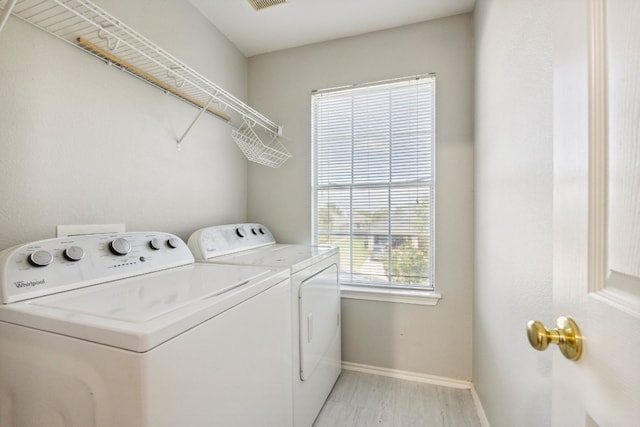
{"points": [[92, 134]]}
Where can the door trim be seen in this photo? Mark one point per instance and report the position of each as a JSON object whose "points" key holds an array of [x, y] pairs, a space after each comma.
{"points": [[598, 146]]}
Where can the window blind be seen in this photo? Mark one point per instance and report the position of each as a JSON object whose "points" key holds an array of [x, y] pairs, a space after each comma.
{"points": [[373, 180]]}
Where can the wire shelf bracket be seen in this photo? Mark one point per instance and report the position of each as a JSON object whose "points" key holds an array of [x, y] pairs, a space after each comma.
{"points": [[8, 8], [202, 111]]}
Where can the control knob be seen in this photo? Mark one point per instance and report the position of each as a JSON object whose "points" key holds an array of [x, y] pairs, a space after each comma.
{"points": [[74, 253], [173, 242], [156, 243], [240, 232], [120, 246], [40, 258]]}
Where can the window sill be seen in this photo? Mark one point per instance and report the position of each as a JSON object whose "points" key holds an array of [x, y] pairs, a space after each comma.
{"points": [[400, 296]]}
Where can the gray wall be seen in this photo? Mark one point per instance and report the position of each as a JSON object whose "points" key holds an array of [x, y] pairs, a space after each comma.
{"points": [[430, 340], [513, 217], [82, 142]]}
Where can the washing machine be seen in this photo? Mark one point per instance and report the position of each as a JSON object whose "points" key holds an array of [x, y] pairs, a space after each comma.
{"points": [[315, 302], [126, 330]]}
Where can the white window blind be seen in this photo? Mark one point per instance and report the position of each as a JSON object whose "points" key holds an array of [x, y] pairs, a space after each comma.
{"points": [[373, 180]]}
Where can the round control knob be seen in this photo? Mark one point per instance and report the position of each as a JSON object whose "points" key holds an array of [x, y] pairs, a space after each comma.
{"points": [[40, 258], [254, 231], [240, 232], [173, 242], [74, 253], [261, 230], [120, 246], [156, 243]]}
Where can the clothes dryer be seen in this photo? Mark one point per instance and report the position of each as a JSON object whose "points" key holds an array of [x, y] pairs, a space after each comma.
{"points": [[126, 330], [315, 301]]}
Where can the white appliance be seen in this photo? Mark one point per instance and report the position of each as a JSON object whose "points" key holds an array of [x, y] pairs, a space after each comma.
{"points": [[126, 330], [315, 303]]}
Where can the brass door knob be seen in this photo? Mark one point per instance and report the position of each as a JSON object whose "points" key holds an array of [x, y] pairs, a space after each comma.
{"points": [[566, 335]]}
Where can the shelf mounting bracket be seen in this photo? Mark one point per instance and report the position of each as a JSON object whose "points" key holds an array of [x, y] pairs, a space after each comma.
{"points": [[202, 110], [8, 8]]}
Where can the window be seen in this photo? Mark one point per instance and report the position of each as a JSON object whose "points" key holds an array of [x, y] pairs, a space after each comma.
{"points": [[373, 180]]}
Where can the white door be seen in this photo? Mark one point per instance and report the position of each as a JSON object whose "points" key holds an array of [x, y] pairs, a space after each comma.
{"points": [[597, 209]]}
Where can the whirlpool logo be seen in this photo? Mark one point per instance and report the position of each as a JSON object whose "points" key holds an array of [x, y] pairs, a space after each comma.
{"points": [[30, 284]]}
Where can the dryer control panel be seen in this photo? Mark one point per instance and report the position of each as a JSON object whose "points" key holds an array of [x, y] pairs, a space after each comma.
{"points": [[48, 266], [226, 239]]}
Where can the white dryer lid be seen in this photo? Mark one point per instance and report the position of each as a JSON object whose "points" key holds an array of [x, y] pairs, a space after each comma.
{"points": [[141, 312], [293, 257]]}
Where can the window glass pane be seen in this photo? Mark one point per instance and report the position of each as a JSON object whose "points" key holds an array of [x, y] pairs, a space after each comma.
{"points": [[373, 180]]}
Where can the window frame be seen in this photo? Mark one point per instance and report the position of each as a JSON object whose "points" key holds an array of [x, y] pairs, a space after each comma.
{"points": [[370, 290]]}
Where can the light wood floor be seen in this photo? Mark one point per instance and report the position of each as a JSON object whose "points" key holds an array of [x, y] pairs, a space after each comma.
{"points": [[366, 400]]}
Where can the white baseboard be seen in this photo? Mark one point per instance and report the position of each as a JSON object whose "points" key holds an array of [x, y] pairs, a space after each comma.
{"points": [[423, 378], [484, 422], [406, 375]]}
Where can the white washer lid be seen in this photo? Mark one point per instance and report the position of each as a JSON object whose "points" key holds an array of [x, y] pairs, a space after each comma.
{"points": [[141, 312], [293, 257]]}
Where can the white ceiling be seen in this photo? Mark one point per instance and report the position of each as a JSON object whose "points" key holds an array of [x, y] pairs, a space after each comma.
{"points": [[301, 22]]}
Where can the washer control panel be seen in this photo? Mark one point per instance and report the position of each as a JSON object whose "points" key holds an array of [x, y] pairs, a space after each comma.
{"points": [[55, 265], [226, 239]]}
